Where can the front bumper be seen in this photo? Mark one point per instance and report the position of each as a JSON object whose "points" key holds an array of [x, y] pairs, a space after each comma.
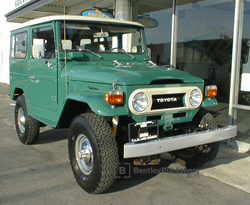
{"points": [[168, 144]]}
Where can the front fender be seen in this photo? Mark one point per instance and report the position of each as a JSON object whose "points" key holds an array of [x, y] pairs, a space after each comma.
{"points": [[98, 105], [208, 102]]}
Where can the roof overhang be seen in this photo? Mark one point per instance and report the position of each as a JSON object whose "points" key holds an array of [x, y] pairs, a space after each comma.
{"points": [[39, 8]]}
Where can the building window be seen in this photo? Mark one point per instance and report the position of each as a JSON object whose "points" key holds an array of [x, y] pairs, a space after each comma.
{"points": [[19, 45]]}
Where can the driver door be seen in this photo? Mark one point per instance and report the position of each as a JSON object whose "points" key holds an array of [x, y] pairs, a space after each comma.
{"points": [[42, 74]]}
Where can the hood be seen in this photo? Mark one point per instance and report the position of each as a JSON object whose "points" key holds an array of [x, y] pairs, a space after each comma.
{"points": [[138, 74]]}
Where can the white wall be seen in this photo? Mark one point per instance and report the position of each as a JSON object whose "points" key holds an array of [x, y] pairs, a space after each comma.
{"points": [[5, 40]]}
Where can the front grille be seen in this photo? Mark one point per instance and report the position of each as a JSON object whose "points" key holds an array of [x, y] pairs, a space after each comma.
{"points": [[166, 101]]}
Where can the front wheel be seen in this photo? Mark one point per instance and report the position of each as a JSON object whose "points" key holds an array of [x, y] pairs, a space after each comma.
{"points": [[93, 153], [200, 156]]}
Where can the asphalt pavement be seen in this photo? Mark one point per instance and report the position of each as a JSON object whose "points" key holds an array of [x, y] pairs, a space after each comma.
{"points": [[41, 174]]}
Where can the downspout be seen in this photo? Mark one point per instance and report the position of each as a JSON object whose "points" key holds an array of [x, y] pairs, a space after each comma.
{"points": [[235, 67], [174, 37]]}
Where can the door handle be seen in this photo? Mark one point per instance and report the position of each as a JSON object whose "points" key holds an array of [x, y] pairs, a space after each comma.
{"points": [[49, 64], [32, 77]]}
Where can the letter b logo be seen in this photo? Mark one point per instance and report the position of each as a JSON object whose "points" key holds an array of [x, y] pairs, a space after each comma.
{"points": [[124, 170]]}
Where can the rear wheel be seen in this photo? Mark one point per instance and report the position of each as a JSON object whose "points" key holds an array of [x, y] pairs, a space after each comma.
{"points": [[202, 155], [26, 126], [93, 153]]}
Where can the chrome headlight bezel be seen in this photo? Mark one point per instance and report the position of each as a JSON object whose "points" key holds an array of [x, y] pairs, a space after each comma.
{"points": [[195, 97], [140, 102]]}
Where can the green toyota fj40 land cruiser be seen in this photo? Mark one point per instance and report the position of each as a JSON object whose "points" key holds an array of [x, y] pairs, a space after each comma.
{"points": [[95, 76]]}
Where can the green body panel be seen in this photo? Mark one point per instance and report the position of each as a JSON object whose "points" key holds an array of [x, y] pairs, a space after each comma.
{"points": [[132, 73], [84, 77], [98, 105], [207, 102]]}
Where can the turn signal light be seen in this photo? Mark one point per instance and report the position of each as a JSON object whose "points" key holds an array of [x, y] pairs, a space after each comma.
{"points": [[114, 97], [211, 91]]}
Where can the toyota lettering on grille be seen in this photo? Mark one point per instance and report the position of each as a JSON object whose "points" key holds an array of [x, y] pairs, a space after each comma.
{"points": [[162, 100], [166, 101]]}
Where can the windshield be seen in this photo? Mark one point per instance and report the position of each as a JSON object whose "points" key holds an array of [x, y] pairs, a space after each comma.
{"points": [[102, 38]]}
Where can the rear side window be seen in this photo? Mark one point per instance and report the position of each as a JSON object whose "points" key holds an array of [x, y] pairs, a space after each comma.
{"points": [[19, 45]]}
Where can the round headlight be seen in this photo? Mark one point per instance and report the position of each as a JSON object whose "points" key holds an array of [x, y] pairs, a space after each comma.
{"points": [[195, 97], [140, 102]]}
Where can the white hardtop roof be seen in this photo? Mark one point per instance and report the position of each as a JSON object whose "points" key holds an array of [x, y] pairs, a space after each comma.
{"points": [[75, 18]]}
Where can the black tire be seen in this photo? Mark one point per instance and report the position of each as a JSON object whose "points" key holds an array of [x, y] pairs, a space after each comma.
{"points": [[95, 167], [27, 127], [200, 156]]}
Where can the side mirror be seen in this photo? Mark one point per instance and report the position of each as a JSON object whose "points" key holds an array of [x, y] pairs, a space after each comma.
{"points": [[38, 51], [38, 48], [66, 44]]}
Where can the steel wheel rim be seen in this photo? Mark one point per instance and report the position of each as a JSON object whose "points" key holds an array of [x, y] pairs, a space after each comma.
{"points": [[84, 154], [21, 120]]}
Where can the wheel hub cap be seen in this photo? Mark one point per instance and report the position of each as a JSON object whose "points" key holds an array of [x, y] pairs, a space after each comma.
{"points": [[21, 120], [84, 154]]}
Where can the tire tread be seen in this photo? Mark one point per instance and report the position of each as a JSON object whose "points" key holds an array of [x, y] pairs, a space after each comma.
{"points": [[31, 133], [108, 151]]}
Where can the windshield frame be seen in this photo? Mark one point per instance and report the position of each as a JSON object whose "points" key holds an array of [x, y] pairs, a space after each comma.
{"points": [[103, 28]]}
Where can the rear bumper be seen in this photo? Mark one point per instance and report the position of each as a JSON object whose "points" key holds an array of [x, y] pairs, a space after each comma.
{"points": [[168, 144]]}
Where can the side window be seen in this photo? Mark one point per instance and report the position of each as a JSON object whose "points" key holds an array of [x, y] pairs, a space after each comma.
{"points": [[19, 45], [43, 43]]}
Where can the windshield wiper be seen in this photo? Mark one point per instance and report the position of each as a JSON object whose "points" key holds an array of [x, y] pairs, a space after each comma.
{"points": [[123, 51], [84, 49]]}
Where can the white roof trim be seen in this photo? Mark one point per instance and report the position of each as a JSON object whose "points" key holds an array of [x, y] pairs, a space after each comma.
{"points": [[76, 18]]}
